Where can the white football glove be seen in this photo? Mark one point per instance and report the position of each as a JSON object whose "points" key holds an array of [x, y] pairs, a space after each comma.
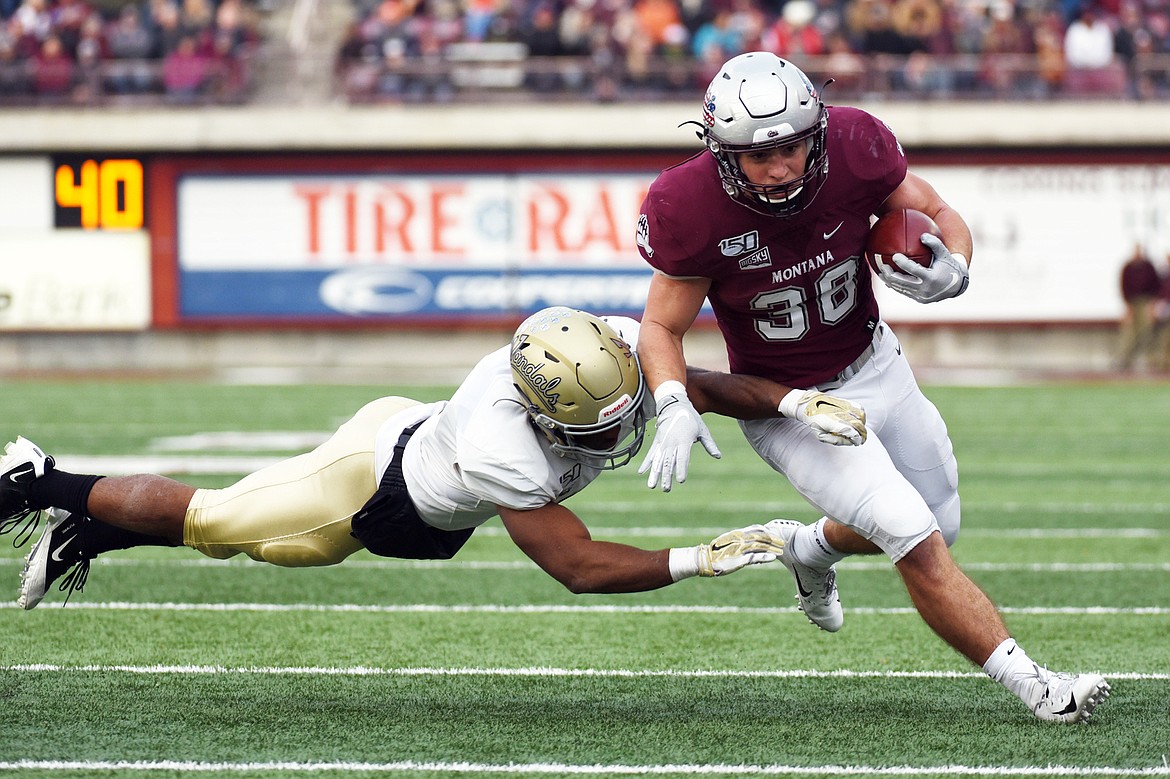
{"points": [[735, 549], [678, 426], [947, 276], [834, 420]]}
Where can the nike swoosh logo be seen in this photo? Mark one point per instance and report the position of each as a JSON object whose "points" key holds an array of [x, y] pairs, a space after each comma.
{"points": [[1071, 707], [14, 475], [717, 547], [800, 586], [57, 552], [833, 232], [1011, 650]]}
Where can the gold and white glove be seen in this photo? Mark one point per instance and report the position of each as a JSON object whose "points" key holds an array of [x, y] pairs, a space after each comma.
{"points": [[834, 420], [735, 549]]}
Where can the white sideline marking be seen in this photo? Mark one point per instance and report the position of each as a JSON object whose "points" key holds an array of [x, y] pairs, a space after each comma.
{"points": [[435, 608], [603, 673], [567, 768]]}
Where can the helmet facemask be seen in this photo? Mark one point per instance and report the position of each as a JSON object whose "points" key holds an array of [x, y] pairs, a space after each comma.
{"points": [[582, 386], [759, 102]]}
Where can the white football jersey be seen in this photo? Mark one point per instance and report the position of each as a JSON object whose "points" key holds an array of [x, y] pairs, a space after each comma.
{"points": [[479, 450]]}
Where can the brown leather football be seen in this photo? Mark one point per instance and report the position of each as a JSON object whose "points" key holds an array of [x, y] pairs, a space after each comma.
{"points": [[900, 231]]}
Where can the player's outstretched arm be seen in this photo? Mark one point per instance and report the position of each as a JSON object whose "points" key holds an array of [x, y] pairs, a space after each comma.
{"points": [[558, 541], [833, 420]]}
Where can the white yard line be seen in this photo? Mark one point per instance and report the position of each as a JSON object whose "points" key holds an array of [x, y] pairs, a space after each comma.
{"points": [[435, 608], [697, 769], [540, 672]]}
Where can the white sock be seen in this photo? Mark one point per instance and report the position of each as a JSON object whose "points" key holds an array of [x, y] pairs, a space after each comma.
{"points": [[811, 548], [1010, 665]]}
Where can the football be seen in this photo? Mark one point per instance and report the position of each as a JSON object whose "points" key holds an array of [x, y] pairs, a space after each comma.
{"points": [[899, 232]]}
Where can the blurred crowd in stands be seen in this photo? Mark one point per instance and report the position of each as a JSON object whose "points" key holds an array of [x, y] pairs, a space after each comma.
{"points": [[199, 51], [80, 52], [627, 49]]}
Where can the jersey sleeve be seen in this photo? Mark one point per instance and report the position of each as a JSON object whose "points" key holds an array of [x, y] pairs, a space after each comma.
{"points": [[672, 224], [869, 150], [501, 484]]}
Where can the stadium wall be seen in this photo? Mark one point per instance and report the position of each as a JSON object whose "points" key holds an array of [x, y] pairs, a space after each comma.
{"points": [[104, 292]]}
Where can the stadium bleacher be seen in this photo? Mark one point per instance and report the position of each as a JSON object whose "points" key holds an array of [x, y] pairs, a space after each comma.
{"points": [[83, 52]]}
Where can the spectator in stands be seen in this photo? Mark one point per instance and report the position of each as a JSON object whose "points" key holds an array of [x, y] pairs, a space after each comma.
{"points": [[749, 22], [132, 47], [1048, 44], [14, 77], [1131, 39], [845, 65], [89, 53], [874, 26], [184, 71], [1088, 53], [717, 39], [794, 36], [358, 61], [575, 26], [1088, 41], [922, 21], [1141, 286], [196, 19], [53, 70], [654, 17], [67, 18], [35, 20], [164, 25], [541, 34], [235, 23], [478, 18], [1004, 44]]}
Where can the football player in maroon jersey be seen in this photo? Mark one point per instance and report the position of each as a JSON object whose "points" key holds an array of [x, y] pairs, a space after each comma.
{"points": [[768, 224]]}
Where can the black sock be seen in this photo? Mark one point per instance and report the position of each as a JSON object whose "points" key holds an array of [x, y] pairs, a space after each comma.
{"points": [[100, 537], [69, 491]]}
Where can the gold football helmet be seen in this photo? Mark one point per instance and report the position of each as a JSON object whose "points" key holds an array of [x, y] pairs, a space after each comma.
{"points": [[582, 386]]}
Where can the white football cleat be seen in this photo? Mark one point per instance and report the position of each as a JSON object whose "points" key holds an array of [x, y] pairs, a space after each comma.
{"points": [[58, 553], [816, 588], [1067, 698]]}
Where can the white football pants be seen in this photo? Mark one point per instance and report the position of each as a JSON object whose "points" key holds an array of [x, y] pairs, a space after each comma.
{"points": [[896, 488]]}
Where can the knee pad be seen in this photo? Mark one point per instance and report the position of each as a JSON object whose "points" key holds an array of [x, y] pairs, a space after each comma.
{"points": [[301, 552], [948, 516], [899, 520]]}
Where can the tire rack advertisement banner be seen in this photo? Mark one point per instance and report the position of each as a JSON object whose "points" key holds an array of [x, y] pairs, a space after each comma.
{"points": [[255, 243], [417, 247]]}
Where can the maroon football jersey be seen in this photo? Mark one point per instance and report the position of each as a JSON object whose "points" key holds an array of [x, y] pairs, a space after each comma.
{"points": [[793, 296]]}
